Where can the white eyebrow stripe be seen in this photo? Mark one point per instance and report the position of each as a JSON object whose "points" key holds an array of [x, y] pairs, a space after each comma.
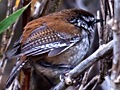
{"points": [[88, 19], [85, 18]]}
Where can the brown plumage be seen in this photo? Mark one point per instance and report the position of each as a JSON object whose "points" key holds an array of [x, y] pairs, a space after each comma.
{"points": [[61, 38]]}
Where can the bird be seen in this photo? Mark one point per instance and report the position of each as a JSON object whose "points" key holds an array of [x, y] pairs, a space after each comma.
{"points": [[59, 39]]}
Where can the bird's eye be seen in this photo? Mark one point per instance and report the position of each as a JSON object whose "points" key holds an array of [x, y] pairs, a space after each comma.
{"points": [[91, 19]]}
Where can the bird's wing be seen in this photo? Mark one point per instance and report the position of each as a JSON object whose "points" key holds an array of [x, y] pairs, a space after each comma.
{"points": [[45, 39]]}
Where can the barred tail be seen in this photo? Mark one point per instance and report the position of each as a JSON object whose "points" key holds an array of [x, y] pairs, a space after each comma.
{"points": [[15, 72]]}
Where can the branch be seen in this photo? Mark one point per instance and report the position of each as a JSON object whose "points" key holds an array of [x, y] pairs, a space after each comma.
{"points": [[39, 9], [102, 51], [115, 75]]}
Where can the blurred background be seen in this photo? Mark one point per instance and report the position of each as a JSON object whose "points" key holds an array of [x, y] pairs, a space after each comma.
{"points": [[88, 5]]}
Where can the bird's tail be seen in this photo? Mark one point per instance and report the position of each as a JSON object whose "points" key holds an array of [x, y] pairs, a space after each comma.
{"points": [[15, 71]]}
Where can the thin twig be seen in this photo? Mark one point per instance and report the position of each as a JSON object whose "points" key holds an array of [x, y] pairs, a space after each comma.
{"points": [[4, 42], [95, 86], [94, 79], [11, 30], [85, 78]]}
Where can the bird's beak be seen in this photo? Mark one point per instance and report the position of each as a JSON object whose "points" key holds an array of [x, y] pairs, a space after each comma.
{"points": [[98, 20]]}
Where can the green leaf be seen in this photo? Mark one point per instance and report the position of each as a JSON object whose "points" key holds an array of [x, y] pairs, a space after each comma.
{"points": [[11, 19]]}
